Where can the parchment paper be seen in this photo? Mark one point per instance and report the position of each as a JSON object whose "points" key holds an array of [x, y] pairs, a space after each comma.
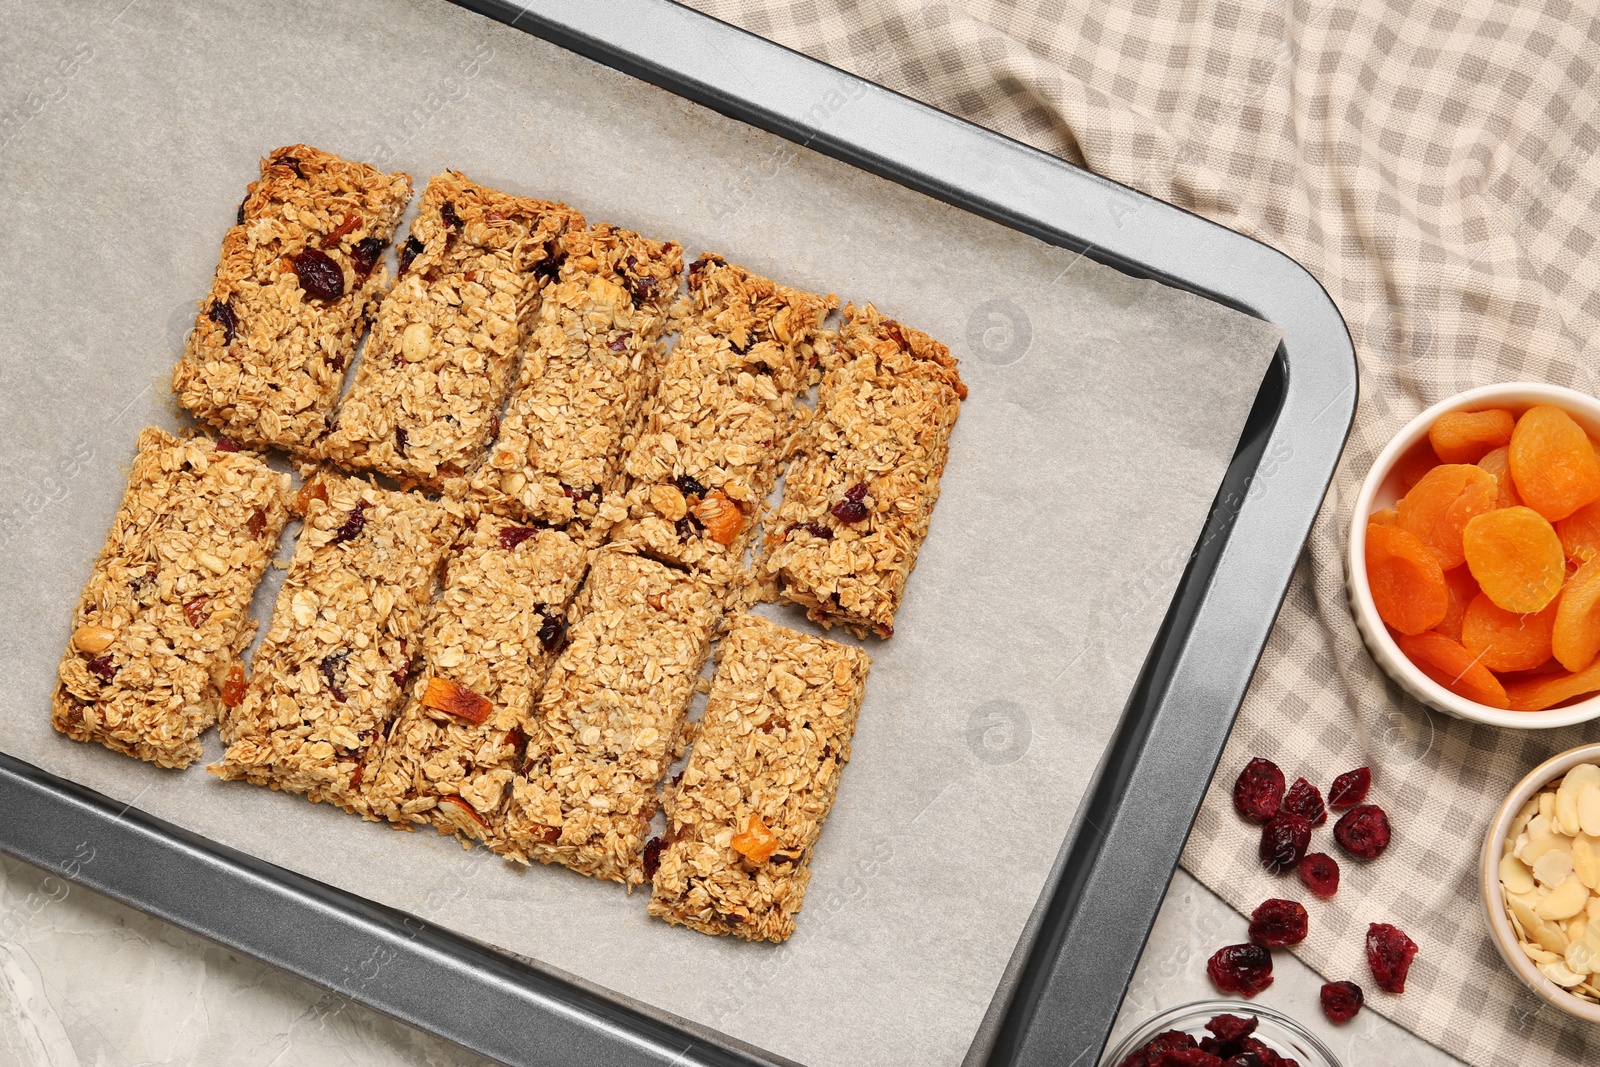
{"points": [[1103, 412]]}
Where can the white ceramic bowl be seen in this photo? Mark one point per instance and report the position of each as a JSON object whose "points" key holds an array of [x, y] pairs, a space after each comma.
{"points": [[1505, 938], [1382, 489]]}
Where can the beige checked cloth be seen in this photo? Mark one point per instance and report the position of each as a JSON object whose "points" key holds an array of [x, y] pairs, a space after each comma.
{"points": [[1431, 162]]}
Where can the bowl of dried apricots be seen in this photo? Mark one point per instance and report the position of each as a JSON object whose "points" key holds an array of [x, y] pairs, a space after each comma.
{"points": [[1474, 556]]}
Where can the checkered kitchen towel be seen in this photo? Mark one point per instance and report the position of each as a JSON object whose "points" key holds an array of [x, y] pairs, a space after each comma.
{"points": [[1431, 162]]}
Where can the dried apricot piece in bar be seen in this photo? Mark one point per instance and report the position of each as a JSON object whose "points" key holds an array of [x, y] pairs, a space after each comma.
{"points": [[1548, 690], [1516, 558], [1464, 436], [1498, 463], [1580, 533], [1505, 641], [1439, 507], [1407, 585], [1452, 666], [1576, 639], [1462, 588], [1553, 463]]}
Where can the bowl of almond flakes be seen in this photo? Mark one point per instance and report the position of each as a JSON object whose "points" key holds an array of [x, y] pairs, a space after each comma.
{"points": [[1541, 881]]}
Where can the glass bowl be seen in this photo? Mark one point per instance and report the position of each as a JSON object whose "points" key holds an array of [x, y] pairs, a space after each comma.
{"points": [[1276, 1030]]}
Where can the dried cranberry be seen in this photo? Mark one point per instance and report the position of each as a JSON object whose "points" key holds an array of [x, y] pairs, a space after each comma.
{"points": [[1258, 792], [1255, 1054], [1190, 1057], [851, 509], [102, 668], [364, 256], [815, 529], [551, 632], [227, 444], [652, 857], [705, 261], [451, 219], [292, 163], [1389, 954], [239, 218], [408, 252], [689, 486], [641, 289], [1350, 789], [1305, 799], [594, 492], [1284, 840], [685, 528], [548, 269], [355, 776], [512, 536], [1363, 831], [222, 315], [319, 275], [1320, 872], [1152, 1051], [333, 672], [400, 438], [1341, 1001], [353, 525], [617, 345], [517, 738], [1233, 1028], [1244, 969], [1278, 923]]}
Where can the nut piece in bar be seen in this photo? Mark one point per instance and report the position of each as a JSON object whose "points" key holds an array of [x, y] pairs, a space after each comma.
{"points": [[450, 758], [298, 282], [610, 718], [760, 781], [722, 417], [162, 622], [858, 497], [585, 375], [439, 363], [331, 672]]}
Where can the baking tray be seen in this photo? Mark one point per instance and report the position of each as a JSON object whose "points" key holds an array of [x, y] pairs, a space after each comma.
{"points": [[1068, 974]]}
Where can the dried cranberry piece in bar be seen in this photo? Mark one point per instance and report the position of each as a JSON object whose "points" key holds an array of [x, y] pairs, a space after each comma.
{"points": [[1244, 969], [1363, 831], [1258, 791], [1320, 873], [1341, 1001], [319, 275], [1349, 789], [1284, 841], [1305, 799], [1278, 923]]}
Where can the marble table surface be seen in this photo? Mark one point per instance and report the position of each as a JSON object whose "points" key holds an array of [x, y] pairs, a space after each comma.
{"points": [[87, 981]]}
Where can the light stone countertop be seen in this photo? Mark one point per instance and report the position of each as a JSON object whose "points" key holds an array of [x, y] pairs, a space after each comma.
{"points": [[87, 981]]}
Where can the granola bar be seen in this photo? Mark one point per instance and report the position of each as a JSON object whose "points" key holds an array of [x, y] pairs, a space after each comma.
{"points": [[760, 781], [860, 492], [162, 622], [298, 282], [330, 674], [585, 375], [721, 417], [450, 757], [437, 368], [610, 718]]}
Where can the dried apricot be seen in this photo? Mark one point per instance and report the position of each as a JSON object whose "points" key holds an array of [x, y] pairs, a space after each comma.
{"points": [[1553, 463], [1516, 558], [1464, 436], [1414, 464], [1580, 533], [1498, 463], [1547, 690], [1407, 585], [1384, 517], [1438, 508], [1453, 667], [1462, 588], [1505, 641], [1576, 639]]}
